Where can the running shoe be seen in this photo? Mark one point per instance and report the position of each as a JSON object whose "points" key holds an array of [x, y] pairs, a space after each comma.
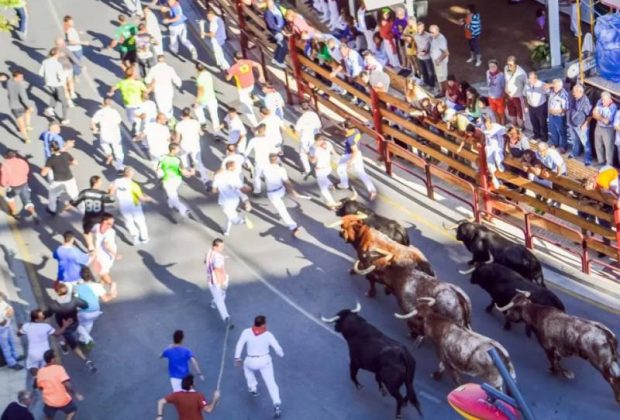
{"points": [[277, 411], [91, 366], [63, 348]]}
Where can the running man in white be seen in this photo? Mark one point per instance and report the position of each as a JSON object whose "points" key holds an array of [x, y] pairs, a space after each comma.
{"points": [[273, 126], [278, 184], [262, 146], [273, 101], [103, 243], [237, 134], [353, 159], [172, 171], [307, 126], [240, 163], [129, 198], [92, 293], [107, 123], [230, 188], [146, 112], [206, 98], [157, 136], [321, 154], [187, 135], [258, 341], [162, 78], [37, 333], [218, 279]]}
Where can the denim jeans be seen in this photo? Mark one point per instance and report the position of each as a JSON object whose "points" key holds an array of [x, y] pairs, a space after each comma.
{"points": [[7, 344], [580, 138], [281, 47], [22, 15], [557, 131]]}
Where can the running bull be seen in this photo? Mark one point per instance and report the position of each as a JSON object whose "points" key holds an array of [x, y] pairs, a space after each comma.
{"points": [[460, 350], [563, 335], [487, 246], [371, 350], [502, 284]]}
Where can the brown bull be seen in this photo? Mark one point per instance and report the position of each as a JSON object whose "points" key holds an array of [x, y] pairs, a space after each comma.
{"points": [[460, 350], [563, 335]]}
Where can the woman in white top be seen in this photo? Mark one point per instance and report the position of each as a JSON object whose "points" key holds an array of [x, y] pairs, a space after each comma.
{"points": [[103, 244], [74, 44]]}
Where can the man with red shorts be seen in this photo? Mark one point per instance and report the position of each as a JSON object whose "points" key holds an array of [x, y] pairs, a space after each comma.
{"points": [[496, 84], [516, 79]]}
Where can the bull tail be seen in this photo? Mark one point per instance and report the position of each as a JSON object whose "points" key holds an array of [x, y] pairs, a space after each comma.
{"points": [[613, 341], [540, 279], [426, 267], [465, 303], [409, 362], [506, 357]]}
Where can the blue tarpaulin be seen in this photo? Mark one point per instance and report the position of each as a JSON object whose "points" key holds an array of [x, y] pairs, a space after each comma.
{"points": [[607, 51]]}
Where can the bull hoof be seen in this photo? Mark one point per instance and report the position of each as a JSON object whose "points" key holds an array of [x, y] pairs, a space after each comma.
{"points": [[371, 293], [351, 271], [489, 309], [436, 375], [507, 326]]}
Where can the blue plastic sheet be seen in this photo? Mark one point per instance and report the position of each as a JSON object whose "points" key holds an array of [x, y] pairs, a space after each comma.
{"points": [[607, 50]]}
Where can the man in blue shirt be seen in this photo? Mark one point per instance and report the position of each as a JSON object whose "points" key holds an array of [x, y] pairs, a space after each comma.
{"points": [[275, 23], [604, 134], [52, 134], [70, 260], [352, 158], [178, 28], [178, 361], [217, 34]]}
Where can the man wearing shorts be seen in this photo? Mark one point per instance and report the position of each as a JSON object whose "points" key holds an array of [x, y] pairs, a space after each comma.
{"points": [[125, 38], [516, 79], [496, 84], [107, 123], [56, 389], [70, 260], [179, 358], [94, 200], [132, 91], [14, 172], [37, 333], [19, 104]]}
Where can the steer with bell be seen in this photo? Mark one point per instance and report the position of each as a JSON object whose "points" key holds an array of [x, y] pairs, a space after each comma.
{"points": [[562, 335], [371, 350]]}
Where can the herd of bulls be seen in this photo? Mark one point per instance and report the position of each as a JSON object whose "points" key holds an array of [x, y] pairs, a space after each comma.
{"points": [[441, 311]]}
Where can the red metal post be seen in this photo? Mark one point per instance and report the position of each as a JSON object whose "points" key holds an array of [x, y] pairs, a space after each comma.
{"points": [[585, 263], [617, 225], [528, 231], [376, 119], [292, 47], [289, 98], [264, 65], [430, 191], [483, 171], [243, 38], [388, 161]]}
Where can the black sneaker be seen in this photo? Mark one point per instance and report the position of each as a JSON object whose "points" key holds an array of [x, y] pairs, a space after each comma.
{"points": [[16, 366], [64, 349], [53, 213], [277, 411], [254, 393], [229, 324], [91, 366]]}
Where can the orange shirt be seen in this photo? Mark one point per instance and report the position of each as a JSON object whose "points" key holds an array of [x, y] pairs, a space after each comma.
{"points": [[14, 172], [51, 380], [243, 73]]}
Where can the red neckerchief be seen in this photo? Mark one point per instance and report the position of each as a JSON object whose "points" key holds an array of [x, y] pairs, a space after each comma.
{"points": [[259, 330]]}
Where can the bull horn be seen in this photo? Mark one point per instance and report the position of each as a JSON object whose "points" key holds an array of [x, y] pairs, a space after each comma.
{"points": [[523, 292], [468, 271], [335, 224], [406, 316], [358, 308], [361, 216], [330, 320], [364, 272], [457, 224], [429, 300], [354, 196], [504, 308], [490, 259]]}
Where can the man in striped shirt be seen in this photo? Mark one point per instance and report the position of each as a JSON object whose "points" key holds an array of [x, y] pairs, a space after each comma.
{"points": [[473, 29]]}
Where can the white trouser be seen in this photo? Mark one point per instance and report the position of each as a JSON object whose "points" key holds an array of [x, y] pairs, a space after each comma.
{"points": [[132, 117], [264, 365], [322, 178], [360, 172], [171, 187], [116, 151], [391, 53], [56, 189], [370, 42], [276, 199], [495, 158], [86, 320], [334, 14], [164, 100], [245, 97], [179, 33], [135, 6], [303, 157], [258, 173], [230, 210], [175, 383], [219, 295], [211, 107], [218, 53], [135, 222], [159, 47], [196, 158]]}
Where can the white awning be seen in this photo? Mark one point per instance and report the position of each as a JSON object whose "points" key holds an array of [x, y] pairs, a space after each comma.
{"points": [[380, 4]]}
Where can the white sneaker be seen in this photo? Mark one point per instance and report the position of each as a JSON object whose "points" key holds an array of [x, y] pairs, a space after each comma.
{"points": [[470, 60], [478, 63], [49, 112]]}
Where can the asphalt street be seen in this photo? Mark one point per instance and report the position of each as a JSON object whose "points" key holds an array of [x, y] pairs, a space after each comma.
{"points": [[162, 284]]}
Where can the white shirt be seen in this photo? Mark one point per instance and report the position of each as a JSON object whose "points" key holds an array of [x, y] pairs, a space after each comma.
{"points": [[262, 147], [228, 185], [157, 138], [238, 159], [361, 19], [275, 176], [38, 337], [73, 40], [152, 25], [439, 44], [515, 82], [164, 77], [307, 126], [189, 130], [149, 109], [124, 194], [257, 345], [108, 237], [272, 128], [214, 260], [236, 129], [323, 155], [4, 306], [535, 95], [273, 101], [109, 121]]}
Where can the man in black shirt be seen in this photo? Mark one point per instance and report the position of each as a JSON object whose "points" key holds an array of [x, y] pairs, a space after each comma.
{"points": [[59, 164], [94, 199], [18, 410]]}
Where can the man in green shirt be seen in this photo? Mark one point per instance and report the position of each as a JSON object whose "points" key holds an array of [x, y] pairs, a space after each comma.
{"points": [[206, 98], [131, 93], [125, 38], [171, 171]]}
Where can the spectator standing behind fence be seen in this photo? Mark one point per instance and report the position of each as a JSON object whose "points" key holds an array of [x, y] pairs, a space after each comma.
{"points": [[604, 113], [473, 28], [494, 148], [516, 79], [275, 23], [398, 28], [606, 181], [388, 43], [439, 55], [410, 48], [557, 107], [578, 122], [617, 130], [496, 83], [535, 95], [423, 45]]}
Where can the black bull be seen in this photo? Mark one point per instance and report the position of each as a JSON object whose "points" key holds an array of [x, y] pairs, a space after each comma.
{"points": [[371, 350]]}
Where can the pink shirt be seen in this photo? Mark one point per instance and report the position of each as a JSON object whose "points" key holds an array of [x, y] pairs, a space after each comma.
{"points": [[300, 26], [14, 172]]}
